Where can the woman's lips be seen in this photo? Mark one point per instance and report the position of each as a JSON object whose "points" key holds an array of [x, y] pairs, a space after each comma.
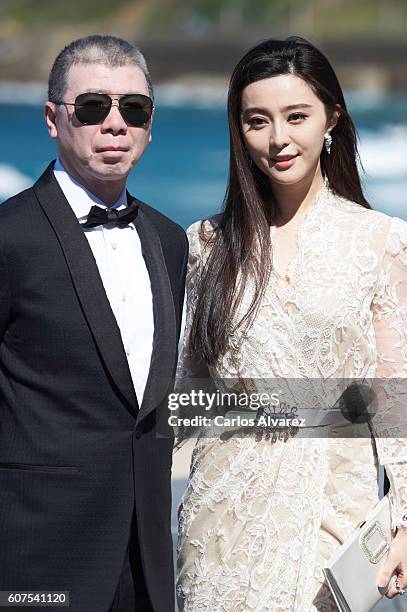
{"points": [[284, 163]]}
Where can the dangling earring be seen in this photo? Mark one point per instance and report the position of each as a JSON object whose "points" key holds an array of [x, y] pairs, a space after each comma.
{"points": [[328, 142]]}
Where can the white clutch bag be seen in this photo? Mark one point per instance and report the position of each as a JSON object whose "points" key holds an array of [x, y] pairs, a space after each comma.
{"points": [[352, 572]]}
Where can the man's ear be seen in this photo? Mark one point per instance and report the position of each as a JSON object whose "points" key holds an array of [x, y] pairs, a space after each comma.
{"points": [[50, 111], [150, 136]]}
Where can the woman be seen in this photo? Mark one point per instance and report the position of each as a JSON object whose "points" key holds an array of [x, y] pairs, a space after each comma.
{"points": [[297, 279]]}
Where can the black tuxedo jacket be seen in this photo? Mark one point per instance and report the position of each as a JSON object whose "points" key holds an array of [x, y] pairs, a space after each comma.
{"points": [[77, 452]]}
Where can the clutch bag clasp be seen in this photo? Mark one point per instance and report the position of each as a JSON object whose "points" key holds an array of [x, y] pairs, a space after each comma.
{"points": [[373, 542]]}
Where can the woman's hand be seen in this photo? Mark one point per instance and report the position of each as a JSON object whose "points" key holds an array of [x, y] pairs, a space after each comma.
{"points": [[395, 565]]}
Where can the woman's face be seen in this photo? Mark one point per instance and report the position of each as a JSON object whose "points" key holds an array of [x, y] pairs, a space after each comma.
{"points": [[283, 124]]}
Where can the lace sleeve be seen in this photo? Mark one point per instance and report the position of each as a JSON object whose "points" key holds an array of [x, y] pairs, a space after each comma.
{"points": [[389, 311], [192, 371], [191, 365]]}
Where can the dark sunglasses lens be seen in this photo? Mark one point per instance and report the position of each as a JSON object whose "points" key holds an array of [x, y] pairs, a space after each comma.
{"points": [[136, 109], [91, 108]]}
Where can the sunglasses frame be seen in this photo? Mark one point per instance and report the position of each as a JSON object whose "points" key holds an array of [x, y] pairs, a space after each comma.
{"points": [[106, 110]]}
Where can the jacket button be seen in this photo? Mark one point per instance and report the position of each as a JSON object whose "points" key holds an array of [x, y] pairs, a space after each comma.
{"points": [[138, 434]]}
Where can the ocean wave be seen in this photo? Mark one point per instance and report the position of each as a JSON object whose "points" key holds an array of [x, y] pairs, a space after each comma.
{"points": [[384, 152], [390, 198], [12, 181], [211, 93], [196, 90]]}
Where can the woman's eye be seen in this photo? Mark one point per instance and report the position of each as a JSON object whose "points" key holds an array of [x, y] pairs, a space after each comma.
{"points": [[297, 117], [255, 122]]}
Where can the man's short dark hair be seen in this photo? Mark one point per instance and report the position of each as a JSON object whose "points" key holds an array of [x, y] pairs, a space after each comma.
{"points": [[96, 49]]}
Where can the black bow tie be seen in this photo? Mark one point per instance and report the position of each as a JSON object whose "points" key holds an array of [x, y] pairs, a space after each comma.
{"points": [[101, 216]]}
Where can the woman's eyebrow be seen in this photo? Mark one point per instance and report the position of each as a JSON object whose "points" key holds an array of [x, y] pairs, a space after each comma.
{"points": [[255, 109], [294, 106], [258, 109]]}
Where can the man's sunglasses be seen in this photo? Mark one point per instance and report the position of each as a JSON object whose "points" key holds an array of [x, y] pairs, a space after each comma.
{"points": [[93, 108]]}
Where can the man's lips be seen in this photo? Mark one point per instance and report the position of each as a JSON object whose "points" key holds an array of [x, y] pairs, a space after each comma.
{"points": [[108, 149]]}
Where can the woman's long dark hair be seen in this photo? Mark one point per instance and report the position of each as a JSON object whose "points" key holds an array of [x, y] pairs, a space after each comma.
{"points": [[241, 242]]}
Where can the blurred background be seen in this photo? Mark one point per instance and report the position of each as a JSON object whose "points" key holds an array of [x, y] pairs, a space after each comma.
{"points": [[191, 48]]}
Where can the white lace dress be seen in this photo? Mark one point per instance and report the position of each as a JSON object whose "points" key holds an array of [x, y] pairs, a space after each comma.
{"points": [[259, 519]]}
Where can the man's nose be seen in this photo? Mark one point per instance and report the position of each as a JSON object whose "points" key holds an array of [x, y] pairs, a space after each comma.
{"points": [[114, 121]]}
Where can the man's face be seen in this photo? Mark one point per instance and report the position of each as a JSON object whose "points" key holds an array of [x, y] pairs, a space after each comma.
{"points": [[94, 154]]}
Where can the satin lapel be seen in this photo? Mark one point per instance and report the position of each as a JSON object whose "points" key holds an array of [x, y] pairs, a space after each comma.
{"points": [[164, 343], [87, 282]]}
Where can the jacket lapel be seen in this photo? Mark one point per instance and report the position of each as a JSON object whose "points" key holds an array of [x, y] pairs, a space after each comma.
{"points": [[87, 282], [164, 352]]}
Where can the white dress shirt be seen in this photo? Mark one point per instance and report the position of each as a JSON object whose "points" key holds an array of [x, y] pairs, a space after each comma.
{"points": [[117, 251]]}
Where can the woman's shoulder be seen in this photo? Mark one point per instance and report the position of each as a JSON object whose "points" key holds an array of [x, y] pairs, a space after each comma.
{"points": [[366, 231], [201, 233], [386, 223], [361, 217], [207, 225], [396, 242]]}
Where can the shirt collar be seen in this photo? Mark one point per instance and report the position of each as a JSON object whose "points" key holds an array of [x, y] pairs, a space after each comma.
{"points": [[79, 198]]}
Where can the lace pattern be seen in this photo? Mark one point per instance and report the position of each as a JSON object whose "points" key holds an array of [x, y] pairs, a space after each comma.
{"points": [[257, 521]]}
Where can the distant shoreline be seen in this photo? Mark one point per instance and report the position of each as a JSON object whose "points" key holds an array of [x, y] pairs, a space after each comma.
{"points": [[374, 64]]}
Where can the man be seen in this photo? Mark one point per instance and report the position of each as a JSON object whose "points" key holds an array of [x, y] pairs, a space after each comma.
{"points": [[90, 308]]}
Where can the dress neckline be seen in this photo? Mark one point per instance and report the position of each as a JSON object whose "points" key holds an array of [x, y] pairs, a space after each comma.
{"points": [[321, 199]]}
